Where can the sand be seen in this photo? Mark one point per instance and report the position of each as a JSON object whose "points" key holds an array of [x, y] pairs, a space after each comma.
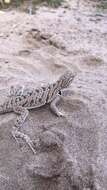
{"points": [[37, 49]]}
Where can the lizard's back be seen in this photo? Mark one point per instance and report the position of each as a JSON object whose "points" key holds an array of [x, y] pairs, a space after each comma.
{"points": [[28, 97], [35, 97]]}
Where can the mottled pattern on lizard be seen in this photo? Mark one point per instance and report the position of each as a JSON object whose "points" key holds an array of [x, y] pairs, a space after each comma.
{"points": [[21, 99]]}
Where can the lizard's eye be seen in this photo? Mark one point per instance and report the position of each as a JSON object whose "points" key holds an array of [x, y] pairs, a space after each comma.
{"points": [[60, 92]]}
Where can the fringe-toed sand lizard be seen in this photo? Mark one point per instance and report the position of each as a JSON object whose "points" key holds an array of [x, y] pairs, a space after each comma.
{"points": [[21, 99]]}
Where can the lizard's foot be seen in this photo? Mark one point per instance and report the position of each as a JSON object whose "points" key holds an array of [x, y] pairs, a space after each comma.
{"points": [[17, 134]]}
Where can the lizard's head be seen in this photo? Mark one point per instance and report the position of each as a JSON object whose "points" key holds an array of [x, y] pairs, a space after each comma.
{"points": [[66, 79], [63, 82]]}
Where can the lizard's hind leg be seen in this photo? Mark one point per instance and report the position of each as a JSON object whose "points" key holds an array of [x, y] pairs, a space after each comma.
{"points": [[18, 123], [23, 112]]}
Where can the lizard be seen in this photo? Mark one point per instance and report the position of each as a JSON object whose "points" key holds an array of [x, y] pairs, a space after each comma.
{"points": [[20, 100]]}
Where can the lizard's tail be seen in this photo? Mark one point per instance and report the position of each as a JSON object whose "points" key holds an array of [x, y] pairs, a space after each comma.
{"points": [[4, 109]]}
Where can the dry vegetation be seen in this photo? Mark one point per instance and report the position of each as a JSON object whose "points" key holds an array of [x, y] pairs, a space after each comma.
{"points": [[102, 4], [53, 3]]}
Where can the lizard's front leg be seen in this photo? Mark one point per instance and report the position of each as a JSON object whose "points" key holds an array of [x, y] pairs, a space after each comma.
{"points": [[53, 106], [18, 123]]}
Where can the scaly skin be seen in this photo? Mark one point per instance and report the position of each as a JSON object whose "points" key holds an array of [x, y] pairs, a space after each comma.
{"points": [[21, 99]]}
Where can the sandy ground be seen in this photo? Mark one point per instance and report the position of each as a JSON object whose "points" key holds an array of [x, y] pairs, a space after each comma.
{"points": [[36, 49]]}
